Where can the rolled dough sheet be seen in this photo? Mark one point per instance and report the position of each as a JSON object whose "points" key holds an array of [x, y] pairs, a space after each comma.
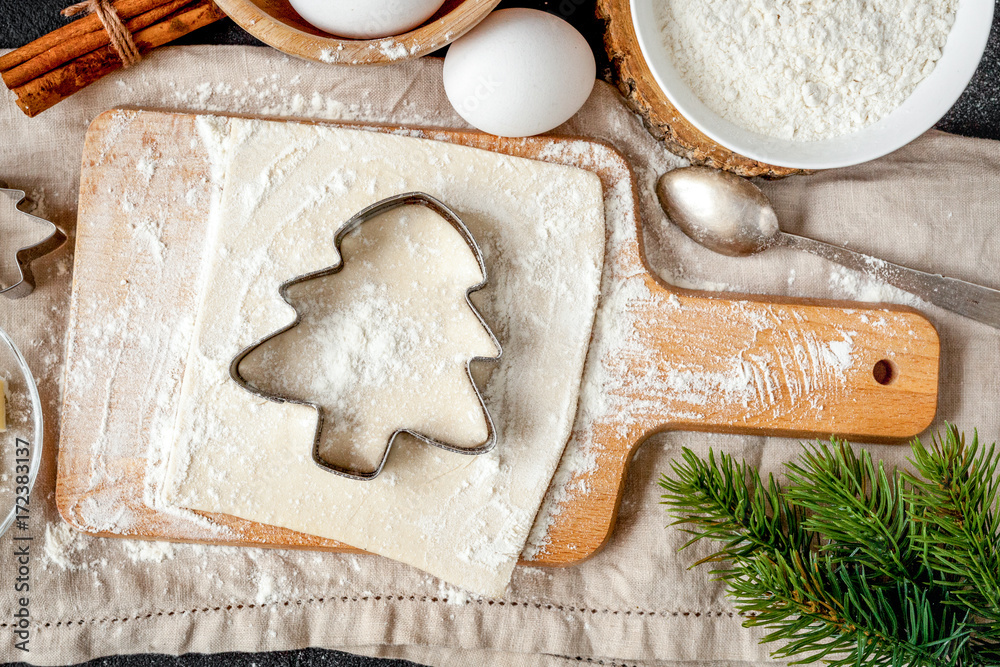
{"points": [[287, 188]]}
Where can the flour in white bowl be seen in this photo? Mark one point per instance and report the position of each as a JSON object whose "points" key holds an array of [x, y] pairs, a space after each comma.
{"points": [[804, 69]]}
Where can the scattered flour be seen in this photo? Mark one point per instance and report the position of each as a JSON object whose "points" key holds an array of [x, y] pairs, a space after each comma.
{"points": [[265, 588], [392, 49], [62, 543], [330, 55], [147, 551], [378, 50], [804, 70], [867, 287], [64, 546], [452, 595]]}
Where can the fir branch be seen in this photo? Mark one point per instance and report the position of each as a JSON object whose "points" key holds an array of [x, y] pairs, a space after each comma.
{"points": [[843, 620], [856, 506], [955, 502], [850, 564], [728, 502]]}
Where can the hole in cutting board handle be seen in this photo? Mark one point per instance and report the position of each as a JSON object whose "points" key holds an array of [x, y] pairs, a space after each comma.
{"points": [[884, 372]]}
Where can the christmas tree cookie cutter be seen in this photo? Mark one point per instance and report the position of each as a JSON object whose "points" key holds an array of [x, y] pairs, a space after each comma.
{"points": [[25, 284], [373, 211]]}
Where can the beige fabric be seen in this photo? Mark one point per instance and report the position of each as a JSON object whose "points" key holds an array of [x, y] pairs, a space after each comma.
{"points": [[934, 205], [440, 656]]}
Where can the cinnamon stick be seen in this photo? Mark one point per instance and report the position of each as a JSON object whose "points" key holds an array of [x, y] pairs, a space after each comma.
{"points": [[44, 92], [126, 9], [83, 44]]}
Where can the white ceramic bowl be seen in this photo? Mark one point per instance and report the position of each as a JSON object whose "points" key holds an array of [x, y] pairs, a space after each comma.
{"points": [[931, 99]]}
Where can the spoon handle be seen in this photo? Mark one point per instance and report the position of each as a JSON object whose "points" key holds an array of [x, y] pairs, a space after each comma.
{"points": [[973, 301]]}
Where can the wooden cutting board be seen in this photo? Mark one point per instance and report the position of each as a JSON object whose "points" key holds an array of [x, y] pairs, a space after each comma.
{"points": [[678, 344]]}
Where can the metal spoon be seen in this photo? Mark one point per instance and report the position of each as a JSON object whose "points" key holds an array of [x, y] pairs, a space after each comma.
{"points": [[730, 215]]}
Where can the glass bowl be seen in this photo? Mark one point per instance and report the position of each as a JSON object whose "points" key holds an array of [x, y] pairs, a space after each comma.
{"points": [[18, 468]]}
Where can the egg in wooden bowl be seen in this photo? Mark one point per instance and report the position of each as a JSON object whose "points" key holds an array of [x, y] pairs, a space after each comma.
{"points": [[278, 24]]}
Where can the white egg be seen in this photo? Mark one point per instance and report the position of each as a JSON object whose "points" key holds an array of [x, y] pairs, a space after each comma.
{"points": [[366, 19], [518, 73]]}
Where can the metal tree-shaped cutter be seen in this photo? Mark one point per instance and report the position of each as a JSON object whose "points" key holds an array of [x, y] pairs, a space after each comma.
{"points": [[25, 284], [373, 211]]}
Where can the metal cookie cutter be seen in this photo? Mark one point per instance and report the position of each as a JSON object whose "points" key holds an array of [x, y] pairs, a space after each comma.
{"points": [[25, 256], [376, 209]]}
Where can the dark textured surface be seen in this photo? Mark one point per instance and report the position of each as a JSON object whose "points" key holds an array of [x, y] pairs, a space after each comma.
{"points": [[976, 114]]}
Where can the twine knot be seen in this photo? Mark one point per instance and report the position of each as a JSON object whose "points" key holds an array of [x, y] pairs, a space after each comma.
{"points": [[120, 37]]}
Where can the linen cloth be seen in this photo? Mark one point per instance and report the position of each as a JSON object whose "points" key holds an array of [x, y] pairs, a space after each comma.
{"points": [[933, 205]]}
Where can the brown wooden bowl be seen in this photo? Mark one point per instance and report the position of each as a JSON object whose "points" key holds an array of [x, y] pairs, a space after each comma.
{"points": [[636, 83], [275, 23]]}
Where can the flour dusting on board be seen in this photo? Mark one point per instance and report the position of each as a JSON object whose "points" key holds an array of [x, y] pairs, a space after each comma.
{"points": [[797, 371], [115, 342]]}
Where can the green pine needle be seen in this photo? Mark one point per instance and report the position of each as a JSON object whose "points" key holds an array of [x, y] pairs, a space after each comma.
{"points": [[955, 506], [851, 564]]}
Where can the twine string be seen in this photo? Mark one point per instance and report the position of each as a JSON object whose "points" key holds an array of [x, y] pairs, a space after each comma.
{"points": [[120, 37]]}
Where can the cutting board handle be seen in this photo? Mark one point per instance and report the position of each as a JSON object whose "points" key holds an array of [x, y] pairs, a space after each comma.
{"points": [[772, 366], [752, 365]]}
